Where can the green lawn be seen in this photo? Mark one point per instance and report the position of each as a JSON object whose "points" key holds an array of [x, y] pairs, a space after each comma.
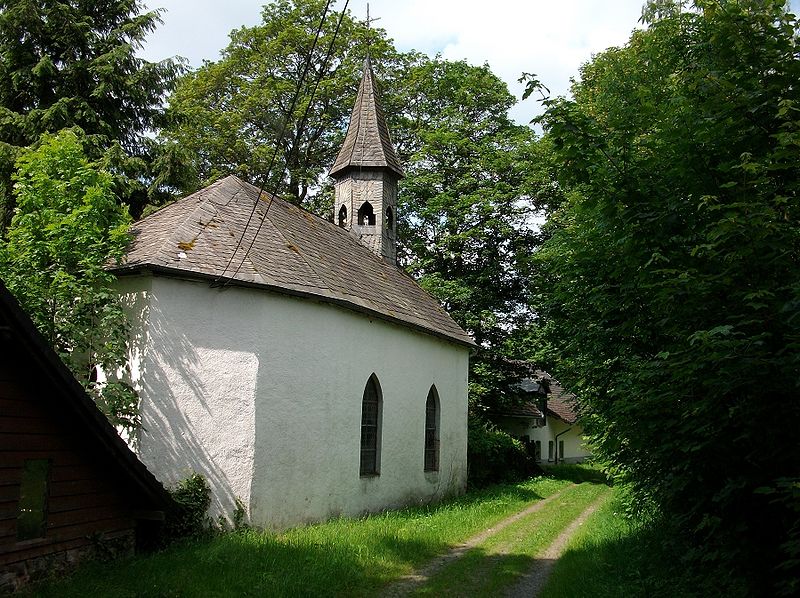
{"points": [[349, 557]]}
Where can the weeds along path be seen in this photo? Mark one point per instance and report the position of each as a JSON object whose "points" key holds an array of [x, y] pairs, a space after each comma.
{"points": [[411, 582]]}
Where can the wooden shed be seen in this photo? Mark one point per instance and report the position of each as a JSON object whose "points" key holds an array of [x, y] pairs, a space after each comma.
{"points": [[70, 488]]}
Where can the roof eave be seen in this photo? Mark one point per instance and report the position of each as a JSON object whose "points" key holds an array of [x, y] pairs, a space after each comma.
{"points": [[155, 269]]}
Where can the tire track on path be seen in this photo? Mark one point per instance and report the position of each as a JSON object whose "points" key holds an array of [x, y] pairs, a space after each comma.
{"points": [[408, 583]]}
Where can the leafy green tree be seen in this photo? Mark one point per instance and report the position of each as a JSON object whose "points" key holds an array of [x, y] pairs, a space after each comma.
{"points": [[73, 63], [230, 114], [474, 184], [672, 282], [67, 226]]}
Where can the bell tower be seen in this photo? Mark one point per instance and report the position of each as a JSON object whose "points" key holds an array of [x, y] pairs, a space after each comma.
{"points": [[366, 173]]}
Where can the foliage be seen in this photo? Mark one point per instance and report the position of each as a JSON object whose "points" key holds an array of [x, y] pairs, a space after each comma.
{"points": [[671, 285], [230, 114], [65, 64], [189, 515], [495, 456], [474, 183], [67, 226]]}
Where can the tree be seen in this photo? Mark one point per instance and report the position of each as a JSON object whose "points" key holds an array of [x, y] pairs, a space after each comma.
{"points": [[473, 187], [74, 63], [67, 226], [231, 113], [671, 283]]}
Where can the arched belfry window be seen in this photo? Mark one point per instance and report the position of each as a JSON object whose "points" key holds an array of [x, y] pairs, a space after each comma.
{"points": [[432, 430], [366, 215], [389, 218], [343, 216], [371, 427]]}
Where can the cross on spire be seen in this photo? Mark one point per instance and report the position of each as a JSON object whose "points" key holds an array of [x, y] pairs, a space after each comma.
{"points": [[369, 27]]}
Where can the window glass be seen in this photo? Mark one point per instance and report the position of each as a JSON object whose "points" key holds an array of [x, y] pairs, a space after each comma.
{"points": [[370, 427], [432, 431], [32, 518]]}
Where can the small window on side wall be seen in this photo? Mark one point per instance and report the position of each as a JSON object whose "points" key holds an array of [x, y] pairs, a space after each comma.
{"points": [[370, 427], [432, 430], [33, 492]]}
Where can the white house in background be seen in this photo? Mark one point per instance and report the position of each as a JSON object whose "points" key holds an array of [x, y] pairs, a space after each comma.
{"points": [[288, 359], [547, 422]]}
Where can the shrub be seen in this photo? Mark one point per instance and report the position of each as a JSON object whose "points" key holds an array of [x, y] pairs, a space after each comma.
{"points": [[188, 516], [494, 456]]}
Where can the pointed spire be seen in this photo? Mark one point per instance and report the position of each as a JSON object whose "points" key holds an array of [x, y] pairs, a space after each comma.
{"points": [[367, 143]]}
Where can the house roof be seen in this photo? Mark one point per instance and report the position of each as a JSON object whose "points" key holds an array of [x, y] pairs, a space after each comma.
{"points": [[560, 403], [293, 252], [69, 403], [367, 143]]}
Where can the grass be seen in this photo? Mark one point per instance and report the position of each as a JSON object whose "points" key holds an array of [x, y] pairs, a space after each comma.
{"points": [[500, 560], [612, 556], [345, 557]]}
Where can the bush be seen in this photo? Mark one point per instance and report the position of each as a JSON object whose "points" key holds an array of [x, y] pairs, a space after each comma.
{"points": [[188, 517], [495, 456]]}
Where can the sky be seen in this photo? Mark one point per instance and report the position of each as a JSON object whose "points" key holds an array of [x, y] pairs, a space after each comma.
{"points": [[549, 38]]}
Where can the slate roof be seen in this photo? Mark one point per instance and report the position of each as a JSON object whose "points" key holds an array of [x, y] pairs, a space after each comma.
{"points": [[293, 252], [367, 143], [560, 403]]}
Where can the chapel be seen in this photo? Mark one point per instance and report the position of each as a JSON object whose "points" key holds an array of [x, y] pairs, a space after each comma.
{"points": [[289, 359]]}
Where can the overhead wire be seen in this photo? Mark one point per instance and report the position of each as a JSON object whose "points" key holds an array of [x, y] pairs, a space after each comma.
{"points": [[289, 114]]}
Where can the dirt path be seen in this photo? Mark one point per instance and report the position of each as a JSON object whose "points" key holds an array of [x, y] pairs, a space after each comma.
{"points": [[532, 583], [408, 583]]}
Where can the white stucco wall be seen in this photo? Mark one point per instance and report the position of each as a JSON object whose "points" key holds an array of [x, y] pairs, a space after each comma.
{"points": [[262, 393]]}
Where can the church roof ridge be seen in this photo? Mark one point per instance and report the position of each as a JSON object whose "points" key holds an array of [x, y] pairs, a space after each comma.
{"points": [[367, 142], [294, 252]]}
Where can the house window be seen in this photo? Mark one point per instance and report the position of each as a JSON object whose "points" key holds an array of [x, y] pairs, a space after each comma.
{"points": [[432, 430], [343, 216], [561, 450], [370, 427], [550, 450], [537, 451], [389, 218], [366, 215], [33, 491]]}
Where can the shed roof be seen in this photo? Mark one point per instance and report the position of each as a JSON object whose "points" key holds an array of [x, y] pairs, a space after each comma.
{"points": [[367, 143], [293, 252], [73, 407]]}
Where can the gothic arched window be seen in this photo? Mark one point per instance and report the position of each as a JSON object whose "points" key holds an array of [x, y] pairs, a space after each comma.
{"points": [[366, 215], [371, 427], [389, 218], [432, 430], [343, 216]]}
